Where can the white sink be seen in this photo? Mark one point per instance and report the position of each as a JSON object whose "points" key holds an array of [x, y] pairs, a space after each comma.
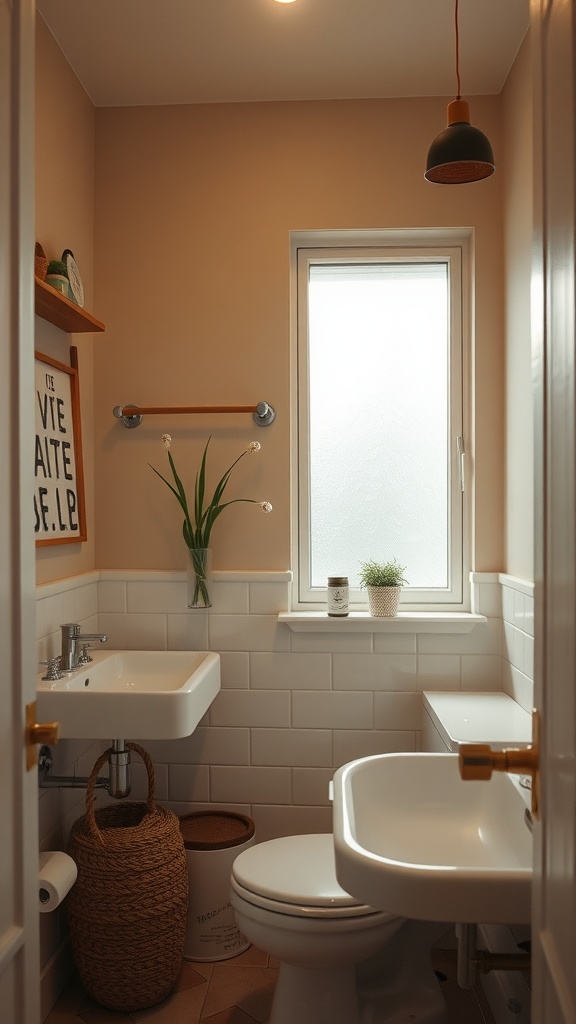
{"points": [[413, 838], [131, 694]]}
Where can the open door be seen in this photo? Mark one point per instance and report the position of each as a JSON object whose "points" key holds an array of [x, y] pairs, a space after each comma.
{"points": [[554, 309], [19, 959]]}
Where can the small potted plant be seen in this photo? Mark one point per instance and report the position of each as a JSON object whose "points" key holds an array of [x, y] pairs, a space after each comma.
{"points": [[57, 276], [383, 581]]}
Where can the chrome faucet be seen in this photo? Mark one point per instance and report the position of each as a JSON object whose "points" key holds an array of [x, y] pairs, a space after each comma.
{"points": [[72, 638]]}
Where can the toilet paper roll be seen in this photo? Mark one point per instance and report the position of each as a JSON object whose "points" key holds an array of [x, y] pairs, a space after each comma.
{"points": [[58, 872]]}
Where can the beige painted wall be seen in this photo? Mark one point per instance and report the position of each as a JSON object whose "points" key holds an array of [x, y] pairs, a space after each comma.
{"points": [[191, 219], [519, 449], [193, 211], [64, 220]]}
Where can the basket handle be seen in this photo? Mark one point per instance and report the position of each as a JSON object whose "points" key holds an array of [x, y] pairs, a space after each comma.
{"points": [[90, 796]]}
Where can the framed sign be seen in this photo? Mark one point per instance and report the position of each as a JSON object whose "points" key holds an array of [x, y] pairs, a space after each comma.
{"points": [[59, 508]]}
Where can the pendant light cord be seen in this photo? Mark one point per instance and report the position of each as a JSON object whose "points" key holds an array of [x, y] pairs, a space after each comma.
{"points": [[457, 49], [461, 153]]}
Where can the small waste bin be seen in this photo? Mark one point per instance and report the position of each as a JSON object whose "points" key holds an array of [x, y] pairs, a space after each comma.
{"points": [[212, 840]]}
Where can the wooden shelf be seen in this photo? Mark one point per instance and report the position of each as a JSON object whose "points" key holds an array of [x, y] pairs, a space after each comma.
{"points": [[63, 313]]}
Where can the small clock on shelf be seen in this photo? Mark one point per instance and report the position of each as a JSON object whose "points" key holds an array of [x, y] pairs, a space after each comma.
{"points": [[76, 286]]}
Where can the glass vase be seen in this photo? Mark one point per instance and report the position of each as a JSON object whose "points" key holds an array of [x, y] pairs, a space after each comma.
{"points": [[199, 577]]}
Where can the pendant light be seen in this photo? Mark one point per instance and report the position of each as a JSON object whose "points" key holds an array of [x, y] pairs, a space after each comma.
{"points": [[461, 152]]}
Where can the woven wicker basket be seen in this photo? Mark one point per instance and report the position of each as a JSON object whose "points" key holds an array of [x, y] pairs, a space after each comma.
{"points": [[383, 600], [40, 262], [127, 909]]}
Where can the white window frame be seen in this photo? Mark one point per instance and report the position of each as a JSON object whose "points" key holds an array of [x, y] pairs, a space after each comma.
{"points": [[454, 246]]}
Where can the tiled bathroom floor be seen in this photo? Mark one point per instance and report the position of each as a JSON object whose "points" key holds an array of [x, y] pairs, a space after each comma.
{"points": [[239, 991]]}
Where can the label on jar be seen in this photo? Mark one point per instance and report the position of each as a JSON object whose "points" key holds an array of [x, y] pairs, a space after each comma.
{"points": [[337, 595]]}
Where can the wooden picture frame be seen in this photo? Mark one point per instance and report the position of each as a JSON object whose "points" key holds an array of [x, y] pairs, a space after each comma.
{"points": [[59, 503]]}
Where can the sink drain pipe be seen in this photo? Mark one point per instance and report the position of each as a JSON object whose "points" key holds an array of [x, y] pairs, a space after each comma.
{"points": [[117, 783], [471, 959]]}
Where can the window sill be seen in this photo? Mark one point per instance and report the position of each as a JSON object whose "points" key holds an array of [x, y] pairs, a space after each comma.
{"points": [[362, 622]]}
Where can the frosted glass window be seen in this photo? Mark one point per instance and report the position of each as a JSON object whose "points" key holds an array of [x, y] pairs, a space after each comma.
{"points": [[380, 422]]}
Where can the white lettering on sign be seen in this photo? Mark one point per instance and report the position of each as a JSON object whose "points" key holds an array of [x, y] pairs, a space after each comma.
{"points": [[57, 491]]}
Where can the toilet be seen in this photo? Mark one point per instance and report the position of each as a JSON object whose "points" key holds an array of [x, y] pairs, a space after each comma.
{"points": [[341, 962]]}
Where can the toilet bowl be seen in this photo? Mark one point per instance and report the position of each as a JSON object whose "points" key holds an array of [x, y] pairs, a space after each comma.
{"points": [[341, 962]]}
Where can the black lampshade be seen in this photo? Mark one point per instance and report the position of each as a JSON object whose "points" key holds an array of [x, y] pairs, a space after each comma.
{"points": [[461, 152]]}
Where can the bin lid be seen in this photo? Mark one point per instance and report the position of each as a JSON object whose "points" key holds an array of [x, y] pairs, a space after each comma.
{"points": [[215, 830]]}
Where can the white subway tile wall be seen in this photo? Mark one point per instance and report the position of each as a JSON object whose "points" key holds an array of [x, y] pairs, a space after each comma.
{"points": [[518, 640], [293, 706], [289, 701], [296, 702], [72, 600]]}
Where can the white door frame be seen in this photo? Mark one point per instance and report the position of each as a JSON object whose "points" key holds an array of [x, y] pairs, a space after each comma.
{"points": [[19, 926], [553, 24]]}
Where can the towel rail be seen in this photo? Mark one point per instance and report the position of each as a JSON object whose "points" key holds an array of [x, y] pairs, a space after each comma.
{"points": [[131, 415]]}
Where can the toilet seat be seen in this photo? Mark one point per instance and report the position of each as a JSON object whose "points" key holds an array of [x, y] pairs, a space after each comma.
{"points": [[296, 875], [305, 910]]}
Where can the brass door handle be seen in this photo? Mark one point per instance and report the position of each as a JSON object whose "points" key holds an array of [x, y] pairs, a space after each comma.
{"points": [[478, 761], [38, 732]]}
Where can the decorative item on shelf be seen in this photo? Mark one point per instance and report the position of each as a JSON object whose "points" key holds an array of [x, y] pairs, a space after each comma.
{"points": [[40, 262], [57, 277], [196, 530], [383, 581], [73, 274]]}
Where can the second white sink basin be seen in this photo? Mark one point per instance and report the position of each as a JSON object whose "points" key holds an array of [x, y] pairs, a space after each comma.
{"points": [[132, 694], [413, 838]]}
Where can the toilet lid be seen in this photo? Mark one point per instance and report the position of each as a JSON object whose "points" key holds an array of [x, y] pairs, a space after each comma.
{"points": [[296, 870]]}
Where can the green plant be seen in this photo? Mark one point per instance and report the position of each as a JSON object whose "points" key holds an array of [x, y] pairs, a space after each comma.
{"points": [[57, 267], [197, 527], [196, 531], [382, 574]]}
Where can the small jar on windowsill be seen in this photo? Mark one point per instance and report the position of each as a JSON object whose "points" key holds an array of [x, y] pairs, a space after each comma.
{"points": [[337, 594]]}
